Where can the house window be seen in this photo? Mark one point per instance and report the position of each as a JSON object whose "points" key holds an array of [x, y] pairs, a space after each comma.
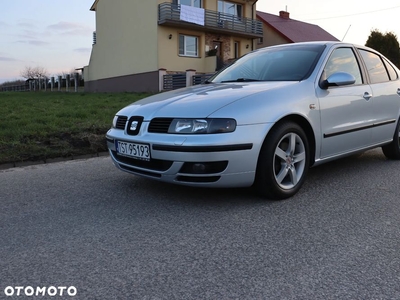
{"points": [[230, 8], [260, 40], [188, 45], [194, 3]]}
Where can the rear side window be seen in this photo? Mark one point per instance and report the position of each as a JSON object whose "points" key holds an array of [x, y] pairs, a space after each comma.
{"points": [[392, 72], [376, 69]]}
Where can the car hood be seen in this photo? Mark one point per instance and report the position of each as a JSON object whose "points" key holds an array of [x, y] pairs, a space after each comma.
{"points": [[197, 101]]}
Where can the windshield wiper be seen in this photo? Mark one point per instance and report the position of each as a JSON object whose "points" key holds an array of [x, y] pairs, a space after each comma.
{"points": [[241, 80]]}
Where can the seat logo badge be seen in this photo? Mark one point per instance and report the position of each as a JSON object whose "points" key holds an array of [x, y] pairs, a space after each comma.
{"points": [[134, 125]]}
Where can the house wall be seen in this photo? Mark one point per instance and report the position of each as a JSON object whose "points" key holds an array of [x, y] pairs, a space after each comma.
{"points": [[126, 39], [271, 37], [131, 46], [143, 82], [168, 53], [213, 5]]}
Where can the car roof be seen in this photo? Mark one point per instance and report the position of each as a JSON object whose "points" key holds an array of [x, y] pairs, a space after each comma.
{"points": [[326, 43]]}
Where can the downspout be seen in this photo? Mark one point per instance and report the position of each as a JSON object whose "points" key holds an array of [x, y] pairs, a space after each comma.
{"points": [[252, 16]]}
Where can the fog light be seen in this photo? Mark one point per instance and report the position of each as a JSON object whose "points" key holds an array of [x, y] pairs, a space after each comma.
{"points": [[198, 168], [210, 167]]}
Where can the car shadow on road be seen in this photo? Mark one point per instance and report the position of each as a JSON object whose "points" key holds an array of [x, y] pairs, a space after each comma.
{"points": [[320, 177]]}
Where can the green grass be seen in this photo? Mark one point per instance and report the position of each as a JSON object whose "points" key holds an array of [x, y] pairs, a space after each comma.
{"points": [[41, 125]]}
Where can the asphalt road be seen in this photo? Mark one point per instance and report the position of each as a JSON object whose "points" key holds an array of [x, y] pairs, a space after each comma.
{"points": [[111, 235]]}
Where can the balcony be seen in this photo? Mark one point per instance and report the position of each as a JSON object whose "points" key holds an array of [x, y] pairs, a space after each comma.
{"points": [[170, 15]]}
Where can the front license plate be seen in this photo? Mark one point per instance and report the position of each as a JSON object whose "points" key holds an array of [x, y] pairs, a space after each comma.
{"points": [[134, 150]]}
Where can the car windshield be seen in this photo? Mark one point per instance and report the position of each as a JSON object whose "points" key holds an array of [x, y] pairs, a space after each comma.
{"points": [[286, 63]]}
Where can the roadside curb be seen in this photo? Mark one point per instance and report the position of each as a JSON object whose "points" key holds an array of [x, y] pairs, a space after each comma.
{"points": [[49, 161]]}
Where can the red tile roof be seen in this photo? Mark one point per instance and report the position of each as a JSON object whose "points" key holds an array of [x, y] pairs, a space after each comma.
{"points": [[293, 30]]}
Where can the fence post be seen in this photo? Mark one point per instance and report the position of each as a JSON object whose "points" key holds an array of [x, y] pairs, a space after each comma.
{"points": [[161, 73], [52, 83], [76, 81], [59, 83], [67, 82], [189, 77]]}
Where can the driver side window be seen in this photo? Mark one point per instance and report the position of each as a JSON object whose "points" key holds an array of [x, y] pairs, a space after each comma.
{"points": [[343, 60]]}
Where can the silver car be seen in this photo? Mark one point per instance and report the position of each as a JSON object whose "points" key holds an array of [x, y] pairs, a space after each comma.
{"points": [[264, 120]]}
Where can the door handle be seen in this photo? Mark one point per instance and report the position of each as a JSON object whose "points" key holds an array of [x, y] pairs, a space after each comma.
{"points": [[368, 96]]}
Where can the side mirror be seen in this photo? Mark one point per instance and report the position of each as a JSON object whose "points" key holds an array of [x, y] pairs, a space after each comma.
{"points": [[337, 79]]}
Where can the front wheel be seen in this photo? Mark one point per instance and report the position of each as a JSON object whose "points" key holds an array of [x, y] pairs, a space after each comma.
{"points": [[283, 162], [392, 150]]}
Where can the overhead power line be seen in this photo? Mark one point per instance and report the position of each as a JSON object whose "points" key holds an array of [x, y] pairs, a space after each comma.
{"points": [[355, 14]]}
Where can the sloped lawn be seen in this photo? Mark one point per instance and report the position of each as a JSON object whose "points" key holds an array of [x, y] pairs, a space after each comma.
{"points": [[42, 125]]}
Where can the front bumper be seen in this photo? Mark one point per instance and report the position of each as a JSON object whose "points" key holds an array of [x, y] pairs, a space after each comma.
{"points": [[213, 160]]}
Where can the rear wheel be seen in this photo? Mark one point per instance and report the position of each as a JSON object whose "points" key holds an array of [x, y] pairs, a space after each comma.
{"points": [[392, 150], [283, 162]]}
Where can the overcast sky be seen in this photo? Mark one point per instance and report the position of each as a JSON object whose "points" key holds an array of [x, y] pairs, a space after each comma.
{"points": [[57, 35]]}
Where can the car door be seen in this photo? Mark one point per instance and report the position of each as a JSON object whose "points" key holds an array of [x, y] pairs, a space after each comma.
{"points": [[346, 111], [385, 86]]}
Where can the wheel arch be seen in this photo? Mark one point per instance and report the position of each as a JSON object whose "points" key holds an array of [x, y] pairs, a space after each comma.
{"points": [[306, 126]]}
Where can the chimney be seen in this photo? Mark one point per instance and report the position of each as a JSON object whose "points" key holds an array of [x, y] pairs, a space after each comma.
{"points": [[284, 14]]}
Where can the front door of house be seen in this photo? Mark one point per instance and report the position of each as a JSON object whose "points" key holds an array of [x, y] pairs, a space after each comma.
{"points": [[220, 61]]}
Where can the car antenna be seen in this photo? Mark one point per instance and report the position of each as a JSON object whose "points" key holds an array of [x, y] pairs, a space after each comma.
{"points": [[346, 32]]}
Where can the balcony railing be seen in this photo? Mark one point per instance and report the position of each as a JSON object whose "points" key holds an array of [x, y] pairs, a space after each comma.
{"points": [[170, 14]]}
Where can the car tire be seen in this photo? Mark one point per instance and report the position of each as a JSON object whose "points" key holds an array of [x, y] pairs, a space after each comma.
{"points": [[283, 162], [392, 150]]}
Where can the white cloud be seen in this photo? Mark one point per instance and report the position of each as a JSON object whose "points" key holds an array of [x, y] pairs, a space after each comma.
{"points": [[28, 34], [64, 26], [83, 50], [33, 42], [26, 24], [68, 28], [5, 58]]}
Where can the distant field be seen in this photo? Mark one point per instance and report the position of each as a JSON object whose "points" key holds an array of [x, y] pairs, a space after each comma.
{"points": [[42, 125]]}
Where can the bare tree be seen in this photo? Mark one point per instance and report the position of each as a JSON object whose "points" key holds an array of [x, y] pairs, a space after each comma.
{"points": [[38, 74], [34, 73]]}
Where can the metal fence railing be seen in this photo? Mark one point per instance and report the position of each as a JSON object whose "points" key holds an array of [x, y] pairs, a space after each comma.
{"points": [[200, 78], [169, 12], [174, 81]]}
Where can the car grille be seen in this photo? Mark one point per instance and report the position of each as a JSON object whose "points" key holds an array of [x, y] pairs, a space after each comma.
{"points": [[160, 125], [121, 122]]}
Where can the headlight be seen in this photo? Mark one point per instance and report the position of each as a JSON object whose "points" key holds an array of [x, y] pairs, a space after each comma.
{"points": [[188, 126], [114, 122]]}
